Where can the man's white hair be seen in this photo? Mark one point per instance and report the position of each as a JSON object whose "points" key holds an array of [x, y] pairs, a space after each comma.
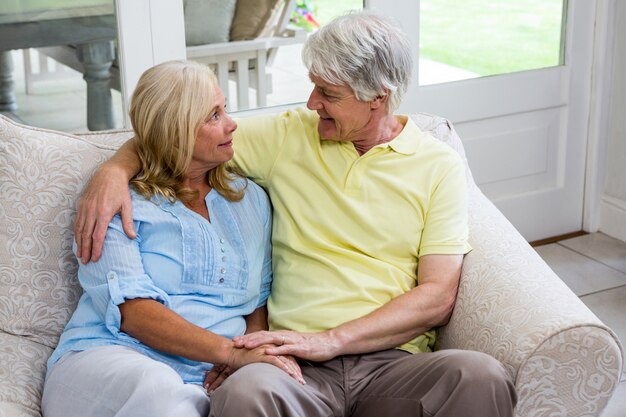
{"points": [[364, 51]]}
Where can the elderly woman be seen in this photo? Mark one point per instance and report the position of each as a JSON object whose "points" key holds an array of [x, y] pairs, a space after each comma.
{"points": [[370, 229], [160, 311]]}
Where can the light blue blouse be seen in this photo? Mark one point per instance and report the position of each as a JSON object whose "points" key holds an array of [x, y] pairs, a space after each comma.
{"points": [[212, 274]]}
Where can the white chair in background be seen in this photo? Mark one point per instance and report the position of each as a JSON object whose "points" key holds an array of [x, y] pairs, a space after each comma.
{"points": [[248, 62]]}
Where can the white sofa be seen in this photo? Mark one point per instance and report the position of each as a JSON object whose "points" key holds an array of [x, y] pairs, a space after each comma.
{"points": [[563, 359]]}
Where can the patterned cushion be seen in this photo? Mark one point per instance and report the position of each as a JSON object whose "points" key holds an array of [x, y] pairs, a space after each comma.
{"points": [[41, 175]]}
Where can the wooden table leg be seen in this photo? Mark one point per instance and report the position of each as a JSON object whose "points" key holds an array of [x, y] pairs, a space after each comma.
{"points": [[97, 58], [7, 95]]}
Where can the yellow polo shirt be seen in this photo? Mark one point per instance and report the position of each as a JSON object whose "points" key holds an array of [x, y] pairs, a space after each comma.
{"points": [[348, 231]]}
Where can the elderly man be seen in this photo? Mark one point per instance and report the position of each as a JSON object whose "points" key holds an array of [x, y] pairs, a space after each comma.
{"points": [[370, 229]]}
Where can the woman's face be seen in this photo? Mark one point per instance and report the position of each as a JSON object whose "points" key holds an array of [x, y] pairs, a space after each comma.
{"points": [[214, 141]]}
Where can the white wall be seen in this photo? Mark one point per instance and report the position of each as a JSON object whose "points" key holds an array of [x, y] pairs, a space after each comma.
{"points": [[612, 213]]}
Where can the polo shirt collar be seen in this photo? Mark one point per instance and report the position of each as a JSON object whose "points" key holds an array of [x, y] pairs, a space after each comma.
{"points": [[405, 143]]}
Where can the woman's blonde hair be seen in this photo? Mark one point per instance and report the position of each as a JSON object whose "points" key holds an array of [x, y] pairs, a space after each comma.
{"points": [[169, 104]]}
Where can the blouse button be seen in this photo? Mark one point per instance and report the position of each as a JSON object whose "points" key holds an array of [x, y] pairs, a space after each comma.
{"points": [[223, 270], [221, 240], [221, 280]]}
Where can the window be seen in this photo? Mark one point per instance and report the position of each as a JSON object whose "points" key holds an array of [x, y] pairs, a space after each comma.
{"points": [[463, 39]]}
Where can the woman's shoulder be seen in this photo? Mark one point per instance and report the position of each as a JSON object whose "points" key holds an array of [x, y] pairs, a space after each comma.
{"points": [[145, 207], [253, 193], [136, 198], [251, 188]]}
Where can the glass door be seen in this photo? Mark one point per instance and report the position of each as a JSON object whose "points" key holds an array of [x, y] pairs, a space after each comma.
{"points": [[514, 77], [501, 37]]}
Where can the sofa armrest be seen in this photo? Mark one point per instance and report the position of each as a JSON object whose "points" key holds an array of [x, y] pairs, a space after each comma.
{"points": [[511, 305]]}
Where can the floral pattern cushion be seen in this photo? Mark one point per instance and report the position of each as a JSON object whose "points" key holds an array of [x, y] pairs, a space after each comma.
{"points": [[42, 173]]}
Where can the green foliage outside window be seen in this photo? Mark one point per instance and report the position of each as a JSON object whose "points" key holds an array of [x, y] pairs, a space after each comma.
{"points": [[482, 36]]}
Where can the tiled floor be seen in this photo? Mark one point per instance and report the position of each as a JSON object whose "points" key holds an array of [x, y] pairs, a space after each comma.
{"points": [[594, 267]]}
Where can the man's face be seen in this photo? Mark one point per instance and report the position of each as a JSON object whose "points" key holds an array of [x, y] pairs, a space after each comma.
{"points": [[342, 116]]}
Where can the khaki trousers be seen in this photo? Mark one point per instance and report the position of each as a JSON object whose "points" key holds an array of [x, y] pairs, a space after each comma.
{"points": [[452, 383]]}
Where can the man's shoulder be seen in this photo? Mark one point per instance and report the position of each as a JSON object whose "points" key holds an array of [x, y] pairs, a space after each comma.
{"points": [[430, 147], [275, 123]]}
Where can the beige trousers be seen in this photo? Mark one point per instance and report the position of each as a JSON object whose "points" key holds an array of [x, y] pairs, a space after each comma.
{"points": [[450, 383]]}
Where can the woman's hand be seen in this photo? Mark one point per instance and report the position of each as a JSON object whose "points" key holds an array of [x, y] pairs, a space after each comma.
{"points": [[106, 195], [215, 377], [218, 374], [310, 346], [240, 357]]}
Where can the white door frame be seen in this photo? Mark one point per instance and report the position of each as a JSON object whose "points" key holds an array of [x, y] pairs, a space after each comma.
{"points": [[599, 113], [149, 32]]}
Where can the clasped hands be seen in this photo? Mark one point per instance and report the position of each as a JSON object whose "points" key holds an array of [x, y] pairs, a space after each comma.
{"points": [[241, 356], [278, 348]]}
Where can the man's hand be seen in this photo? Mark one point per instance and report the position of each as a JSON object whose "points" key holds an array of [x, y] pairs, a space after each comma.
{"points": [[398, 321], [310, 346], [106, 195]]}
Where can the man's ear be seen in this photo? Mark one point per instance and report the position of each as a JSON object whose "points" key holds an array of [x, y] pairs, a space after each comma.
{"points": [[379, 101]]}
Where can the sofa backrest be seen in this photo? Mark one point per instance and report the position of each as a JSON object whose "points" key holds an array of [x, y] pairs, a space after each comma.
{"points": [[42, 173], [443, 130]]}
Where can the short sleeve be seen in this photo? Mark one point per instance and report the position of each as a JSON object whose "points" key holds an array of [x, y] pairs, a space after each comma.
{"points": [[117, 276], [446, 220], [257, 142]]}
